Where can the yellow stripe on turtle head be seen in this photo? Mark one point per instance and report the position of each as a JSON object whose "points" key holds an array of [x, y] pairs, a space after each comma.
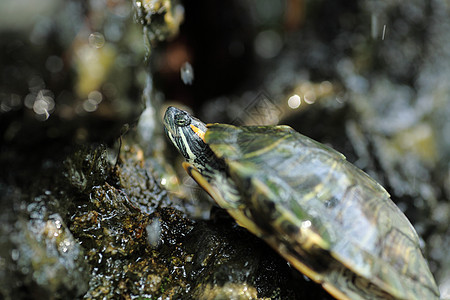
{"points": [[198, 131]]}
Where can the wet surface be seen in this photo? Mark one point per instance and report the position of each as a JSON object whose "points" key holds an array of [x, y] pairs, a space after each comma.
{"points": [[82, 220]]}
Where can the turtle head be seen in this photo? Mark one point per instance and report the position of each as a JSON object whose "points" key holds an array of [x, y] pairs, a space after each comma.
{"points": [[187, 134]]}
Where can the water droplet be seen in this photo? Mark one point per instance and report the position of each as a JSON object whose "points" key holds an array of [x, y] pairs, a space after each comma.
{"points": [[43, 104], [154, 232], [374, 26], [58, 224], [15, 254], [384, 32], [306, 224], [187, 73], [96, 40]]}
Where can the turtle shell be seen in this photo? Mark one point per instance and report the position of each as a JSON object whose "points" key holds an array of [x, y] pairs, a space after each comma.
{"points": [[328, 218]]}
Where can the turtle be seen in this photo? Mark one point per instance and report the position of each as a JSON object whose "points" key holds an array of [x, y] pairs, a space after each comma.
{"points": [[329, 219]]}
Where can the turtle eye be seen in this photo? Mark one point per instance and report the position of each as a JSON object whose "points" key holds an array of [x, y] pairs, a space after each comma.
{"points": [[182, 120]]}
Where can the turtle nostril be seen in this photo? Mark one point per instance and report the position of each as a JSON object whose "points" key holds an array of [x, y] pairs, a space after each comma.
{"points": [[182, 119]]}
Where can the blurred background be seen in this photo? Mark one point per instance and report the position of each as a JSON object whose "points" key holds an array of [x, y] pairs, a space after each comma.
{"points": [[369, 78]]}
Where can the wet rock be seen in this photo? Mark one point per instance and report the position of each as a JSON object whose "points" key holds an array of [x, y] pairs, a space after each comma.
{"points": [[161, 19], [111, 227], [85, 168], [137, 178], [165, 254], [368, 86], [226, 261], [40, 257]]}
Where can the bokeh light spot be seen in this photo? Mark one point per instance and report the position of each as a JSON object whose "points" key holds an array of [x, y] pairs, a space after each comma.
{"points": [[294, 101]]}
